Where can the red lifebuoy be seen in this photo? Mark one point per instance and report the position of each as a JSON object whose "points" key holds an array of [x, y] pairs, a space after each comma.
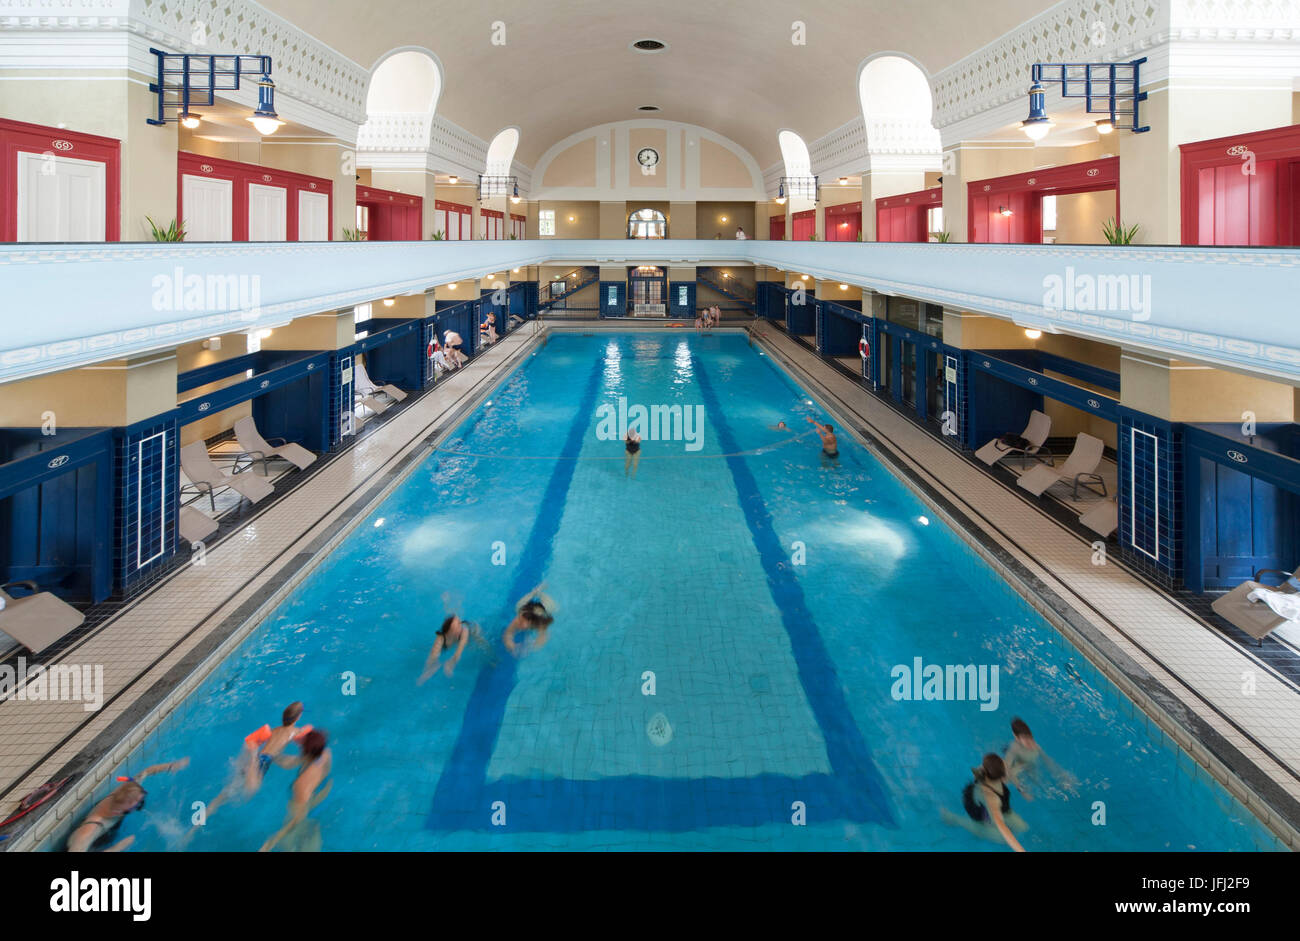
{"points": [[864, 349]]}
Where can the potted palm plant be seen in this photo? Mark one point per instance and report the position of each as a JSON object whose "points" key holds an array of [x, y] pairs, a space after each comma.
{"points": [[1116, 234], [175, 231]]}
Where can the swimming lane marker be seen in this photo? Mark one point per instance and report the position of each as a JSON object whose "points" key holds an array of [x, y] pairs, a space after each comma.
{"points": [[660, 732]]}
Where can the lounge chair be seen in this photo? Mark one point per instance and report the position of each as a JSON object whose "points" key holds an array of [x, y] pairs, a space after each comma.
{"points": [[36, 620], [256, 447], [206, 477], [195, 525], [1034, 436], [1079, 468], [1102, 519], [1255, 617], [362, 386]]}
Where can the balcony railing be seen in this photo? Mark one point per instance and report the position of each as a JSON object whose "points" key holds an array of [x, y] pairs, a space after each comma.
{"points": [[71, 305]]}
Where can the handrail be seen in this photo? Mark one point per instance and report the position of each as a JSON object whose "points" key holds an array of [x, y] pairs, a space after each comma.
{"points": [[113, 300]]}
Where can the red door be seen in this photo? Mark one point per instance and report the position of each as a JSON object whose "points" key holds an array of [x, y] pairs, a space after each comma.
{"points": [[776, 228], [804, 225]]}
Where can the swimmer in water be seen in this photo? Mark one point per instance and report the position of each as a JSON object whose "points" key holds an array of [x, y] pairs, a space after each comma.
{"points": [[102, 824], [1024, 758], [534, 612], [453, 633], [987, 801], [261, 749], [313, 770], [780, 426], [632, 444], [830, 447]]}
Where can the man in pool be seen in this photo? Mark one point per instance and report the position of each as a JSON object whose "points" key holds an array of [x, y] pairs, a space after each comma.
{"points": [[261, 749], [987, 802], [1024, 758], [313, 771], [830, 447], [102, 824], [534, 612]]}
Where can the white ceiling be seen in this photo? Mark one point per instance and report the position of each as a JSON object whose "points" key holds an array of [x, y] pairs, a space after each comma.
{"points": [[730, 65]]}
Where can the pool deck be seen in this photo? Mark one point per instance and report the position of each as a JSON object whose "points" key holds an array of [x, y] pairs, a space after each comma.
{"points": [[156, 648]]}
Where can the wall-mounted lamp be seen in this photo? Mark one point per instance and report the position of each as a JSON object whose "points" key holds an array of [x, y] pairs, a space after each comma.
{"points": [[722, 218], [263, 334], [844, 181], [844, 287], [452, 286], [1109, 88], [804, 277], [573, 218], [453, 179], [1033, 334], [1004, 210], [212, 343], [183, 81], [389, 302]]}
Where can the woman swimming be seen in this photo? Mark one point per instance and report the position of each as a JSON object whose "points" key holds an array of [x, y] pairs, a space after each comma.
{"points": [[453, 633], [987, 802], [534, 612], [633, 447]]}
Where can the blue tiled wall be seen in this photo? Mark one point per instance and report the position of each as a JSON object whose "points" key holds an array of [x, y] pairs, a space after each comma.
{"points": [[1150, 495], [145, 501], [616, 307]]}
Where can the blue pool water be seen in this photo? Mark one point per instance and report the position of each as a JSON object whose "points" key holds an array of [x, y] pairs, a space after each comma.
{"points": [[765, 593]]}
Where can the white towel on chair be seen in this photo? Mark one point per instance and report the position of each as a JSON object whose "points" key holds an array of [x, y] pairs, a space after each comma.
{"points": [[1283, 604]]}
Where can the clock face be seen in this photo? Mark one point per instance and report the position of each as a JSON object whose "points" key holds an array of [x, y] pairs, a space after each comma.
{"points": [[647, 156]]}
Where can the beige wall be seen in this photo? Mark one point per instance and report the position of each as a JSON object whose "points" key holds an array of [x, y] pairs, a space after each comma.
{"points": [[719, 167], [708, 219], [682, 222], [574, 167], [1080, 217], [111, 394], [192, 356], [586, 218], [977, 160], [1180, 391]]}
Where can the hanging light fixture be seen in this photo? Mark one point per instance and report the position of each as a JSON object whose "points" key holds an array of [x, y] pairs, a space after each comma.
{"points": [[780, 194], [453, 178], [264, 119], [189, 120], [514, 198], [1038, 123], [1105, 125]]}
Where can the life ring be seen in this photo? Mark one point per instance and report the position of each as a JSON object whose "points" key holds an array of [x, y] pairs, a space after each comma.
{"points": [[864, 349]]}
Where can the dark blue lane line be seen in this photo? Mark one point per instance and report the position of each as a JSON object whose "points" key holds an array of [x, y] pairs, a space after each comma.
{"points": [[845, 747], [464, 798], [466, 769]]}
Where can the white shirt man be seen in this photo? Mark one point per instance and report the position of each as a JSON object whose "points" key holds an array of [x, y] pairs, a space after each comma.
{"points": [[740, 233]]}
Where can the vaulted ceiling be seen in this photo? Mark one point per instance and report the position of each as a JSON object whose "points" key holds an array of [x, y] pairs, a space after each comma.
{"points": [[730, 66]]}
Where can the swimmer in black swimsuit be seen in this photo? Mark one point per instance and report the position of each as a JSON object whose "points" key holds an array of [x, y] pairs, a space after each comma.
{"points": [[101, 825], [830, 447], [633, 458], [987, 802]]}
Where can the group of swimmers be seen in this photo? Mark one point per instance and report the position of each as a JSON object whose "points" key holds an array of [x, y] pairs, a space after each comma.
{"points": [[987, 799], [534, 614], [708, 318]]}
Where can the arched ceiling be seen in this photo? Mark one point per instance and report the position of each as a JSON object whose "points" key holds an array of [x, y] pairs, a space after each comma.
{"points": [[730, 67]]}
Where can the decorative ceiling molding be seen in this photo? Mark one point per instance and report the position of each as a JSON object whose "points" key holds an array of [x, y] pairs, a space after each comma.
{"points": [[305, 68], [983, 93]]}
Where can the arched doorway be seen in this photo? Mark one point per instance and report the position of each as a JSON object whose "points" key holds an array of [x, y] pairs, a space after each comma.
{"points": [[647, 291], [647, 224]]}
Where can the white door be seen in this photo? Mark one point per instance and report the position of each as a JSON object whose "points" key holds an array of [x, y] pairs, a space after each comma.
{"points": [[440, 221], [267, 213], [60, 199], [453, 226], [313, 217], [209, 207]]}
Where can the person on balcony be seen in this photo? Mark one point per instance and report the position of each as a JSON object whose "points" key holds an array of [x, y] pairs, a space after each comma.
{"points": [[740, 233]]}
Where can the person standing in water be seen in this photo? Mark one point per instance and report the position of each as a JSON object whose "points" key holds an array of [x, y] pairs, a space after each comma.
{"points": [[830, 446], [313, 770], [1024, 757], [101, 826], [534, 612], [987, 802], [632, 444], [453, 633]]}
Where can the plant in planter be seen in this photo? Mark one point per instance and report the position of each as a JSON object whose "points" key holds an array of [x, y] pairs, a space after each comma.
{"points": [[175, 231], [354, 235], [437, 236], [813, 237], [943, 236], [512, 237], [1117, 234]]}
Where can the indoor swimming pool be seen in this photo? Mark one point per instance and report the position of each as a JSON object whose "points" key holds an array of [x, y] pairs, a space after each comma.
{"points": [[723, 670]]}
